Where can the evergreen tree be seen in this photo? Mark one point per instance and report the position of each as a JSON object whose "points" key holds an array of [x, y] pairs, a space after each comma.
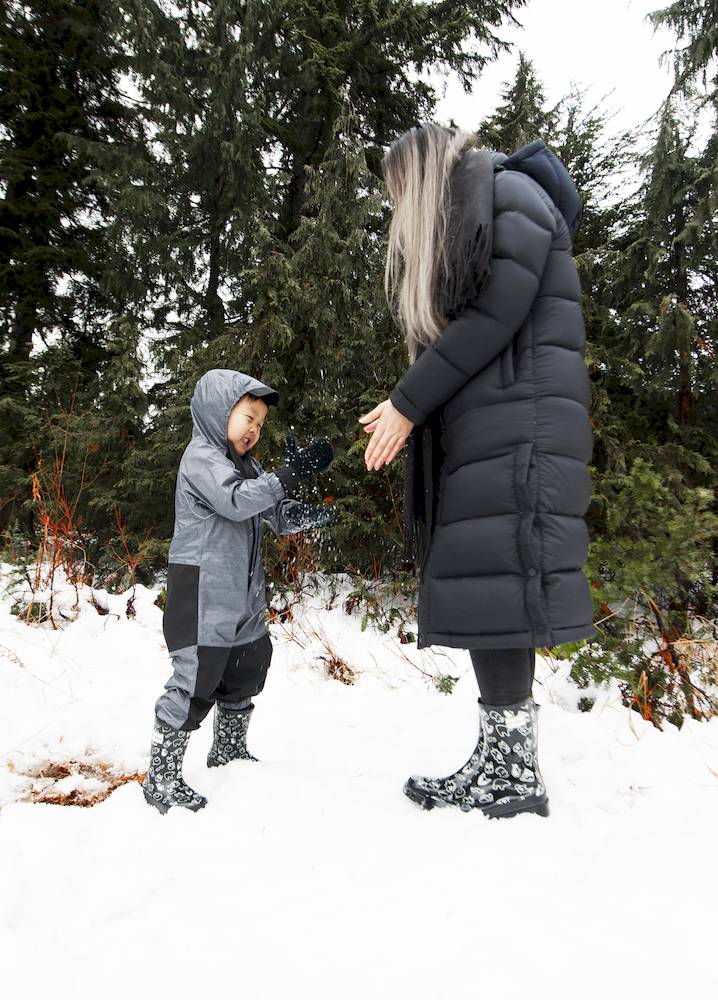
{"points": [[599, 164], [521, 117], [325, 306], [59, 71], [81, 433], [242, 102], [695, 55], [653, 557]]}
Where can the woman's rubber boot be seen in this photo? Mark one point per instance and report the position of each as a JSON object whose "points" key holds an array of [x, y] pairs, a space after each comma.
{"points": [[508, 780], [164, 785], [452, 790], [230, 735]]}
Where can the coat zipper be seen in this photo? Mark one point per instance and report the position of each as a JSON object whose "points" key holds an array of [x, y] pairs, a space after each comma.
{"points": [[253, 547], [253, 555]]}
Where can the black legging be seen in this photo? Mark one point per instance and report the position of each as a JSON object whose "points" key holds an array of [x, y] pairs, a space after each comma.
{"points": [[504, 676]]}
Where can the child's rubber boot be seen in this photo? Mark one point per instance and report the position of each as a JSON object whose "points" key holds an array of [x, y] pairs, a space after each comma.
{"points": [[230, 735], [164, 785], [509, 780]]}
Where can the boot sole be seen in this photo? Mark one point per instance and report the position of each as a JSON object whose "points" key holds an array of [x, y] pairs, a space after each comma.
{"points": [[507, 809], [212, 762], [164, 807], [425, 800], [421, 800], [500, 811]]}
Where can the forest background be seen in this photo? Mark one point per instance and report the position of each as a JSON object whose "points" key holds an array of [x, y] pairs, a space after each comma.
{"points": [[195, 185]]}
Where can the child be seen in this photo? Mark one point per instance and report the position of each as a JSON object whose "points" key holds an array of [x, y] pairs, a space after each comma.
{"points": [[214, 618]]}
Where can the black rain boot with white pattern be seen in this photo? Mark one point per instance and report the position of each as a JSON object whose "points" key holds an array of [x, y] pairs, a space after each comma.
{"points": [[230, 736], [452, 790], [508, 780], [164, 785]]}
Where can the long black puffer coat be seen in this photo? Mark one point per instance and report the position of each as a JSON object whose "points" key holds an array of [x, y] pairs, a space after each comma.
{"points": [[507, 383]]}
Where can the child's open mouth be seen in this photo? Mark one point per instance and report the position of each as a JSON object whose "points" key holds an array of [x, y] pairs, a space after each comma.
{"points": [[246, 441]]}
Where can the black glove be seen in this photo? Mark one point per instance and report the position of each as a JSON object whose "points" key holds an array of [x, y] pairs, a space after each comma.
{"points": [[300, 463], [304, 516]]}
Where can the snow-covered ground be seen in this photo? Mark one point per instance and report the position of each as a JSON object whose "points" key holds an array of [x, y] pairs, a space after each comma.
{"points": [[310, 875]]}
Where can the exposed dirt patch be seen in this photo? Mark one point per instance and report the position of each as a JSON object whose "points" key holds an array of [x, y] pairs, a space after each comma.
{"points": [[93, 781]]}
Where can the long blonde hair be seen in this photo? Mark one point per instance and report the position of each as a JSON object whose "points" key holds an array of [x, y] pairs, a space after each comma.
{"points": [[416, 169]]}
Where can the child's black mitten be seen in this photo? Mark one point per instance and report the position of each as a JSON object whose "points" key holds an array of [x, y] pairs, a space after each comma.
{"points": [[300, 463], [308, 461], [304, 516]]}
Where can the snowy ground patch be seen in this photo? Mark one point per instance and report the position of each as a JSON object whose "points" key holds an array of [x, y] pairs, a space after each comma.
{"points": [[310, 875]]}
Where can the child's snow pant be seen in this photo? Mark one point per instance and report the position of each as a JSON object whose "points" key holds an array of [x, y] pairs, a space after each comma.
{"points": [[504, 676], [230, 676]]}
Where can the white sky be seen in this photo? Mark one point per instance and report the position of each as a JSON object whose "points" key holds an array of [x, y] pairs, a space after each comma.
{"points": [[607, 45]]}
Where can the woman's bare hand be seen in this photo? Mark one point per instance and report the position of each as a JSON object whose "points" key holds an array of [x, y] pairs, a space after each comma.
{"points": [[389, 430]]}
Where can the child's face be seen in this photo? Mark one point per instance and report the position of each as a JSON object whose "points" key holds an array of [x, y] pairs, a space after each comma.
{"points": [[245, 424]]}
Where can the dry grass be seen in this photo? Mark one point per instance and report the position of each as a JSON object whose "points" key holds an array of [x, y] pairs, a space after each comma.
{"points": [[337, 668], [306, 635], [44, 779]]}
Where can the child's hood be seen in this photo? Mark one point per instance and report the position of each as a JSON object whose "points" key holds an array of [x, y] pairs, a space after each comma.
{"points": [[215, 394]]}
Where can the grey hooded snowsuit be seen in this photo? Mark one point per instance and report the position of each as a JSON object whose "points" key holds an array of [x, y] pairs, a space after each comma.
{"points": [[214, 617]]}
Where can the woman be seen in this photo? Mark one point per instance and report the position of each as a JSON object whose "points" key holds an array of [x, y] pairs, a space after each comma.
{"points": [[480, 277]]}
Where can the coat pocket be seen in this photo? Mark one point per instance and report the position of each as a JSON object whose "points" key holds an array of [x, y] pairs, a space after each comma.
{"points": [[508, 365], [524, 469], [511, 357]]}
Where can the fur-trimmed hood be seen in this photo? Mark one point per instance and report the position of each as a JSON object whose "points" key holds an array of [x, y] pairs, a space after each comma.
{"points": [[471, 204]]}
